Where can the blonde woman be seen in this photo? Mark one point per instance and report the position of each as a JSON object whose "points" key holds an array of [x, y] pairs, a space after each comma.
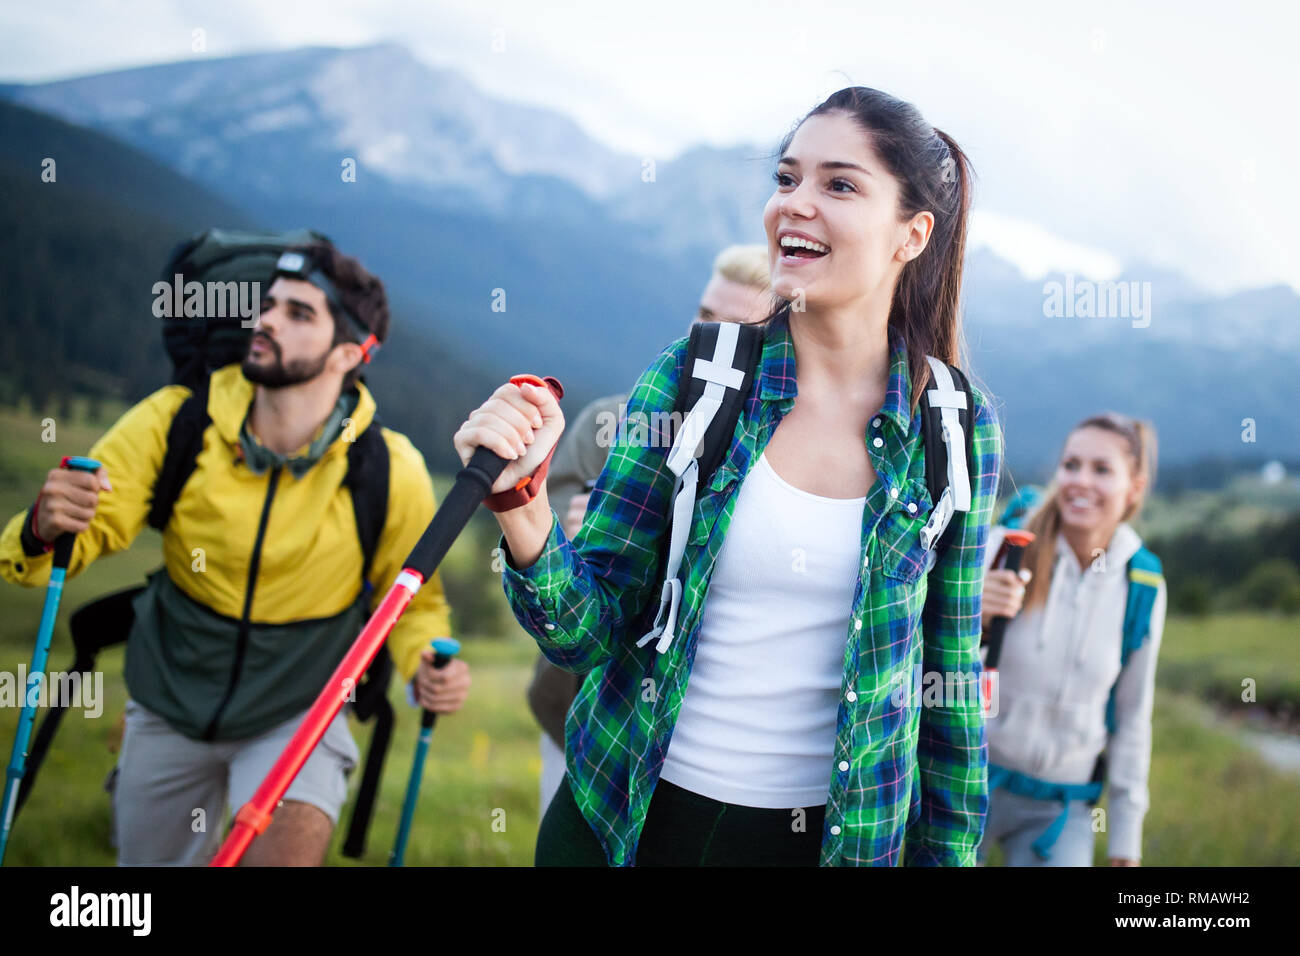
{"points": [[1076, 675]]}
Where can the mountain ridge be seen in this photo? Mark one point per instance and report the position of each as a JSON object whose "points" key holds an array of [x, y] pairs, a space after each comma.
{"points": [[599, 277]]}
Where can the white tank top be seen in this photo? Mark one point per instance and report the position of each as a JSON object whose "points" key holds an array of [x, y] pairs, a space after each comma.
{"points": [[757, 724]]}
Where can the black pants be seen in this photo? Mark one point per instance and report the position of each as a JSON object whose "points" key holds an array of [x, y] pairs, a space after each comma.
{"points": [[685, 829]]}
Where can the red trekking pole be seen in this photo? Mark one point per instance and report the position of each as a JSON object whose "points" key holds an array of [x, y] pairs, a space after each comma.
{"points": [[473, 484], [1008, 557]]}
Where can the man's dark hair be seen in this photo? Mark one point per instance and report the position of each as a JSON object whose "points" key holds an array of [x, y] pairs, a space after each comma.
{"points": [[362, 294]]}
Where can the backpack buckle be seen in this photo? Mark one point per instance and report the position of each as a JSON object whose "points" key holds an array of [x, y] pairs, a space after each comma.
{"points": [[665, 625], [940, 515]]}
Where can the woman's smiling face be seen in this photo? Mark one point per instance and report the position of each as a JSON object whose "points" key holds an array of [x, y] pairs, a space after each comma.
{"points": [[833, 228], [1096, 481]]}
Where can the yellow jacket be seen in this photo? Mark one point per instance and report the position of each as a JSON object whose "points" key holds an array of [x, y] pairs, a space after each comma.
{"points": [[311, 559]]}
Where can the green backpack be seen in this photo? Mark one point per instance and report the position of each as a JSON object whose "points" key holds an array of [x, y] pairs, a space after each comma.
{"points": [[200, 344]]}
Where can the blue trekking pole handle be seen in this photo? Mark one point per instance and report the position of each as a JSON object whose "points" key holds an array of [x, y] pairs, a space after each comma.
{"points": [[444, 648], [40, 656]]}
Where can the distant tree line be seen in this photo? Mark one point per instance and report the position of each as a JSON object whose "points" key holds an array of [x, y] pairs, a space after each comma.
{"points": [[1256, 570], [76, 320]]}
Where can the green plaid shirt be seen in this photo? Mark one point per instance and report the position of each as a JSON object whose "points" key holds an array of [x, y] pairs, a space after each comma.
{"points": [[905, 779]]}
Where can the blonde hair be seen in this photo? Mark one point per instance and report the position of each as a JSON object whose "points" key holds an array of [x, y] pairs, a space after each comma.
{"points": [[746, 265], [1045, 520]]}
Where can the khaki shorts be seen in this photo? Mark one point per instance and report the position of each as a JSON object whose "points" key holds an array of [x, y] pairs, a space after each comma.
{"points": [[173, 795]]}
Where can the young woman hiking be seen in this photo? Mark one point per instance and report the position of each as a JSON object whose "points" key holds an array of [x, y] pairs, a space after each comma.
{"points": [[771, 730], [1068, 686]]}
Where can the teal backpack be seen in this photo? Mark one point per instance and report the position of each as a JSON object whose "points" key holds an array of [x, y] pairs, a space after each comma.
{"points": [[1144, 580]]}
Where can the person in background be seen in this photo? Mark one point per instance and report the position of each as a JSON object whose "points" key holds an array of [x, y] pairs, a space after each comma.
{"points": [[1061, 657], [738, 291], [224, 658]]}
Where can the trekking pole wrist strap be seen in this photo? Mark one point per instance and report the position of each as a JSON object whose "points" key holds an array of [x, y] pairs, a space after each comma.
{"points": [[36, 538], [526, 489]]}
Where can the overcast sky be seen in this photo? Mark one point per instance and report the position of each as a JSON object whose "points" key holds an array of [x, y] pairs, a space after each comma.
{"points": [[1142, 134]]}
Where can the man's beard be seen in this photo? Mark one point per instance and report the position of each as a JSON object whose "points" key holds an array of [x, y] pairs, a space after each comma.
{"points": [[281, 375]]}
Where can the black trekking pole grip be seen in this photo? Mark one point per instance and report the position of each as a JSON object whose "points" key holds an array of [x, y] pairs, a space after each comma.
{"points": [[440, 660], [1015, 546], [63, 544], [63, 549], [473, 483]]}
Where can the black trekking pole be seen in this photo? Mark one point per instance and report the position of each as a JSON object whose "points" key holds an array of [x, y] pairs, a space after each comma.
{"points": [[1008, 558]]}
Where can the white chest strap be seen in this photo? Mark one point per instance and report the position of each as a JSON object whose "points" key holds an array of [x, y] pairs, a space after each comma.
{"points": [[956, 497], [721, 374]]}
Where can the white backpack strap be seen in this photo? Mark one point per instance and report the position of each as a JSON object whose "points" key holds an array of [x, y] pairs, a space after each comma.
{"points": [[947, 398], [721, 374]]}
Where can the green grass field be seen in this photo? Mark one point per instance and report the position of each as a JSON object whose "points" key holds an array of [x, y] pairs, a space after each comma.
{"points": [[1225, 657], [478, 804], [1213, 800]]}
